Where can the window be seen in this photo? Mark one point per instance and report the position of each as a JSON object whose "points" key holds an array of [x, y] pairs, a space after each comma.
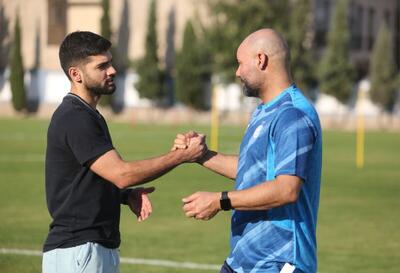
{"points": [[322, 21], [356, 22], [57, 21], [371, 27], [388, 19]]}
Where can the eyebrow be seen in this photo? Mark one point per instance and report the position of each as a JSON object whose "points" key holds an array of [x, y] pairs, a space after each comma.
{"points": [[104, 63]]}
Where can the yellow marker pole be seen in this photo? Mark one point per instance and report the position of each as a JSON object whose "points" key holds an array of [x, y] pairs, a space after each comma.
{"points": [[360, 143], [214, 118]]}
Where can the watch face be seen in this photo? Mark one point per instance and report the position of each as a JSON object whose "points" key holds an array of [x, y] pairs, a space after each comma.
{"points": [[225, 202]]}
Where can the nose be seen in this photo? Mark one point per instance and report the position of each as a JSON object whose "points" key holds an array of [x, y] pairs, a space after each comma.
{"points": [[111, 71], [237, 73]]}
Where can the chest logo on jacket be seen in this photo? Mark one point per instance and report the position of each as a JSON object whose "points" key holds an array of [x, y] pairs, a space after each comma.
{"points": [[257, 131]]}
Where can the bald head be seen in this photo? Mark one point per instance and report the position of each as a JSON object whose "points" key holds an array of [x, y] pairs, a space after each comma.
{"points": [[269, 42], [263, 59]]}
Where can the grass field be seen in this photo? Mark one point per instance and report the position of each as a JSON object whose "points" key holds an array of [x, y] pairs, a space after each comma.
{"points": [[358, 228]]}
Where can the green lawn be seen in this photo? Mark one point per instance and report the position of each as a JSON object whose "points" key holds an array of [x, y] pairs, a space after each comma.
{"points": [[358, 219]]}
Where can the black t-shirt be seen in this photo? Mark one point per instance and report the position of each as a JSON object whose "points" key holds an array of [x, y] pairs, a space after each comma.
{"points": [[84, 206]]}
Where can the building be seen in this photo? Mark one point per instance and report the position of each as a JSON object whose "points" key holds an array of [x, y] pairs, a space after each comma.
{"points": [[44, 23], [364, 18]]}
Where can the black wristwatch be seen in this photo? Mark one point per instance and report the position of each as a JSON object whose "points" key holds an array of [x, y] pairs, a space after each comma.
{"points": [[225, 202]]}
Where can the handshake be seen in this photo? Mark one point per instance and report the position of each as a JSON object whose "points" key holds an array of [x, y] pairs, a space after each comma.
{"points": [[199, 205], [191, 145]]}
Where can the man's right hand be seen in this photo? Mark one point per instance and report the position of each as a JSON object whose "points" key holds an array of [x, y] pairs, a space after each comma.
{"points": [[182, 141], [191, 144]]}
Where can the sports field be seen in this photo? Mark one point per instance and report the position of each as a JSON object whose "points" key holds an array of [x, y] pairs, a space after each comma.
{"points": [[359, 215]]}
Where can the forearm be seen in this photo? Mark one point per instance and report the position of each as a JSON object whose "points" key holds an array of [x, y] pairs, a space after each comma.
{"points": [[270, 194], [225, 165], [267, 195], [123, 174], [142, 171]]}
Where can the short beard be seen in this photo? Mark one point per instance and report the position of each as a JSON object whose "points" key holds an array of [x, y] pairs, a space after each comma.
{"points": [[101, 90], [250, 91], [98, 90]]}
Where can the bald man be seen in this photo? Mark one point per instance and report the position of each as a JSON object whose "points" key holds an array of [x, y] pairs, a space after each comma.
{"points": [[277, 173]]}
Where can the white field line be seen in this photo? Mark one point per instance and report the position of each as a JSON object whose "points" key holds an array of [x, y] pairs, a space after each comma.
{"points": [[124, 260]]}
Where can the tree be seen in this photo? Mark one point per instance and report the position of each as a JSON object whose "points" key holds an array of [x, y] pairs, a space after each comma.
{"points": [[192, 73], [233, 20], [336, 73], [106, 32], [170, 58], [383, 70], [105, 20], [17, 70], [120, 51], [150, 83], [4, 43], [300, 44]]}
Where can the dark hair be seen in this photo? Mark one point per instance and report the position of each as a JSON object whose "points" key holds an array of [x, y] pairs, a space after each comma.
{"points": [[79, 45]]}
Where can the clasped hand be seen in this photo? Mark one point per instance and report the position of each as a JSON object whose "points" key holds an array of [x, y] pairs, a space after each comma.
{"points": [[192, 144], [200, 205]]}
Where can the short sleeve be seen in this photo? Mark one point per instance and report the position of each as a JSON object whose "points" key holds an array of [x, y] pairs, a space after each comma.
{"points": [[87, 138], [294, 137]]}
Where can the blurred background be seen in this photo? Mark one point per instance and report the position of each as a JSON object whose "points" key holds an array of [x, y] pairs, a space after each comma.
{"points": [[176, 62], [172, 55]]}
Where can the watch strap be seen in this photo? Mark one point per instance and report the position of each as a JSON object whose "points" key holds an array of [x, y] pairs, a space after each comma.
{"points": [[225, 202]]}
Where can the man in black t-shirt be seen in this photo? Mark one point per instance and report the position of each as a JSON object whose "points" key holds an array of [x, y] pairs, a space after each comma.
{"points": [[86, 178]]}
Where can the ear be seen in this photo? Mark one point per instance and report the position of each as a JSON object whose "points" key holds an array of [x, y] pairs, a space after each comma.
{"points": [[75, 74], [262, 61]]}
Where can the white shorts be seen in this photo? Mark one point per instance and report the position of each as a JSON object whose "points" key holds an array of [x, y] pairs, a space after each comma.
{"points": [[86, 258]]}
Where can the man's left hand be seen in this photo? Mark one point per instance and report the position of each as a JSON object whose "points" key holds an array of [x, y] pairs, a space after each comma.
{"points": [[140, 204], [202, 205]]}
